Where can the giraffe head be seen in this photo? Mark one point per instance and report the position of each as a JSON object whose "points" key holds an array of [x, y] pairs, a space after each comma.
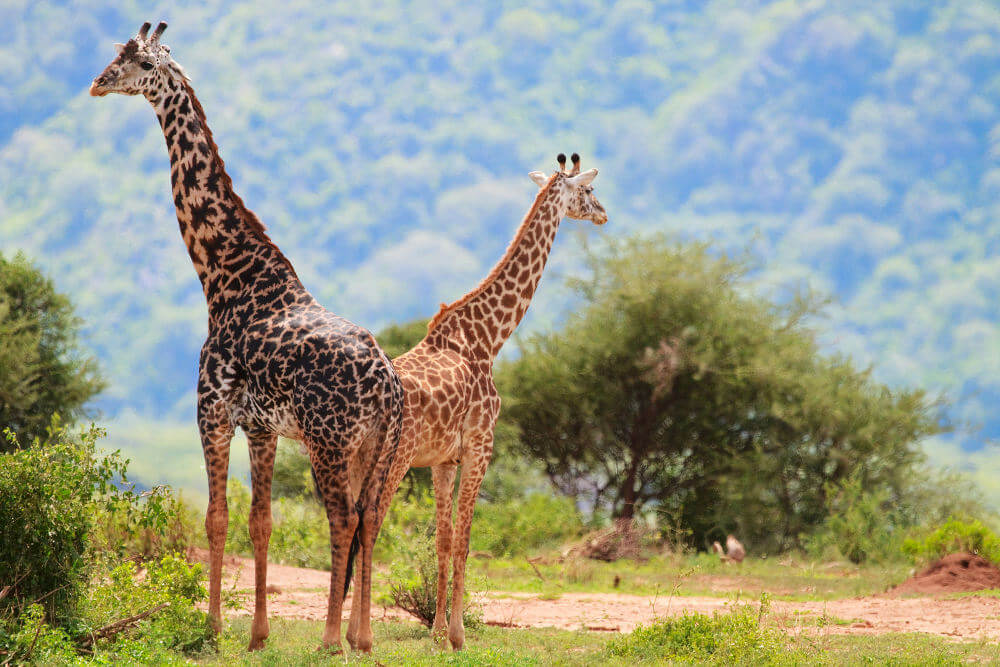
{"points": [[141, 67], [581, 204]]}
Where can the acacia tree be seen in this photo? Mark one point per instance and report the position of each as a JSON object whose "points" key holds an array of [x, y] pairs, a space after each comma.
{"points": [[43, 370], [675, 387]]}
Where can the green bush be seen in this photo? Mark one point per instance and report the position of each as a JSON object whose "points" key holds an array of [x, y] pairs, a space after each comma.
{"points": [[969, 535], [300, 532], [861, 525], [413, 581], [169, 581], [67, 513], [518, 526], [35, 640], [408, 521], [734, 637], [53, 494]]}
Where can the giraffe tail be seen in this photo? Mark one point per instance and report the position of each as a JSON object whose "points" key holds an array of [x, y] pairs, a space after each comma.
{"points": [[352, 552]]}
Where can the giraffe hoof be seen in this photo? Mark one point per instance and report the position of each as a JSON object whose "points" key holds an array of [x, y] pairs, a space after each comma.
{"points": [[330, 649], [256, 644]]}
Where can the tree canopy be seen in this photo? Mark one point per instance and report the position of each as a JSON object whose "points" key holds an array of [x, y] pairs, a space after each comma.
{"points": [[43, 369], [675, 388]]}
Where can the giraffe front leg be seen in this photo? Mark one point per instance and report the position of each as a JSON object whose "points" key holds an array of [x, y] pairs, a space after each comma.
{"points": [[473, 470], [262, 449], [216, 434], [443, 477]]}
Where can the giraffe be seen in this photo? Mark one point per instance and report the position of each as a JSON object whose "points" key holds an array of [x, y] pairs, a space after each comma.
{"points": [[275, 362], [451, 403]]}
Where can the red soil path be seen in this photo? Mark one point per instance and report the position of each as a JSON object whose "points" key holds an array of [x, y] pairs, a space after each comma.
{"points": [[301, 593]]}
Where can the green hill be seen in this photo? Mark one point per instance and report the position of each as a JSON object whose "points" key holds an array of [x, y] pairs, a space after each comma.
{"points": [[854, 148]]}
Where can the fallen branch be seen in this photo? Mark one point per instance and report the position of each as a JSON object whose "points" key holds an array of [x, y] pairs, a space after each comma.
{"points": [[535, 568], [113, 629]]}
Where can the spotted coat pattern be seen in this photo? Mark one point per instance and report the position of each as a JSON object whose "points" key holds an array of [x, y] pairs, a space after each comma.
{"points": [[451, 402], [275, 362]]}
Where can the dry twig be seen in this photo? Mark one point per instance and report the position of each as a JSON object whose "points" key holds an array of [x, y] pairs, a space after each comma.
{"points": [[113, 629], [535, 568]]}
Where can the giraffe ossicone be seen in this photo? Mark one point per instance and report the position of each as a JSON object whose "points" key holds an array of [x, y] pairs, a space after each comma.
{"points": [[275, 361]]}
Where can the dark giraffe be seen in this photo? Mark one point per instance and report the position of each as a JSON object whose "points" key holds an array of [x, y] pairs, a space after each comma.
{"points": [[275, 361], [451, 402]]}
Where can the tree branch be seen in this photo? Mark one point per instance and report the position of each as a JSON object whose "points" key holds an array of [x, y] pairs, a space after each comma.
{"points": [[113, 629]]}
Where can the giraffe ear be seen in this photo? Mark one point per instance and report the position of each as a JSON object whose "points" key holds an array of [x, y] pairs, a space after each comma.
{"points": [[539, 178], [584, 178], [119, 48]]}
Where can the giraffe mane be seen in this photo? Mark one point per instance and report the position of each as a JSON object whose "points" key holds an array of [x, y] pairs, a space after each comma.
{"points": [[250, 218], [446, 309]]}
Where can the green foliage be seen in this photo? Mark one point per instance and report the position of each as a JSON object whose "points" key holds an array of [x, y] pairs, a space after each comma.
{"points": [[35, 640], [292, 471], [736, 637], [674, 386], [170, 586], [881, 190], [862, 525], [396, 339], [413, 581], [954, 535], [169, 581], [43, 370], [405, 524], [53, 495], [520, 526], [70, 513], [300, 532], [169, 526]]}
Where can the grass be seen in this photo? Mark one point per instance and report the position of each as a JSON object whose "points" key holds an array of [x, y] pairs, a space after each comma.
{"points": [[787, 578], [986, 593], [397, 643]]}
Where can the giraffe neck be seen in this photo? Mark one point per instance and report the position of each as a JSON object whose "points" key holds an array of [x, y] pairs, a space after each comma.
{"points": [[228, 245], [483, 320]]}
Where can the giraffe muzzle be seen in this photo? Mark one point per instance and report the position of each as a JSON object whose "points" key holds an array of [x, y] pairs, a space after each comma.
{"points": [[97, 88]]}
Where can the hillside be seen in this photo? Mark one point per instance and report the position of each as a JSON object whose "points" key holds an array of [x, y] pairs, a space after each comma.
{"points": [[853, 150]]}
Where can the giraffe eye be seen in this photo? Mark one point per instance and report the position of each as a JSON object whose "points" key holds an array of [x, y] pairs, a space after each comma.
{"points": [[146, 65], [589, 190]]}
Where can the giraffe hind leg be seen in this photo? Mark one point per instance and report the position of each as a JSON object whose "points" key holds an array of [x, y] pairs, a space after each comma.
{"points": [[443, 477], [343, 519], [262, 449]]}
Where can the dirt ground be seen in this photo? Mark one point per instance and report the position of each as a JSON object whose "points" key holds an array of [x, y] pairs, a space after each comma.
{"points": [[302, 593]]}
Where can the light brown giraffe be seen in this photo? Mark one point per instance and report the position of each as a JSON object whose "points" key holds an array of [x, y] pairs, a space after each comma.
{"points": [[275, 362], [451, 404]]}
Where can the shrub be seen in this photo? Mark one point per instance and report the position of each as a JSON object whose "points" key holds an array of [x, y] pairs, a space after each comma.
{"points": [[408, 521], [734, 637], [954, 535], [300, 533], [413, 582], [34, 640], [169, 581], [517, 526], [860, 525], [66, 513], [292, 475], [52, 495]]}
